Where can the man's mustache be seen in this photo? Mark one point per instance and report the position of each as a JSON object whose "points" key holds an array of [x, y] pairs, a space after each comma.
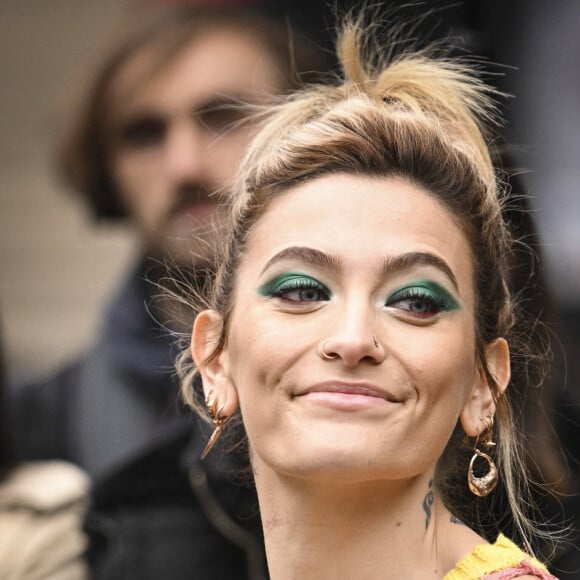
{"points": [[192, 194]]}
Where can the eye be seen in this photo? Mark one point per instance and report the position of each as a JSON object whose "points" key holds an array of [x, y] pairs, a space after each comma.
{"points": [[417, 304], [143, 132], [220, 119], [296, 288], [422, 301]]}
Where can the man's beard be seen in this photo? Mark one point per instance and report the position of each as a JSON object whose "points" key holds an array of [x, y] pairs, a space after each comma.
{"points": [[187, 239], [183, 260], [176, 293]]}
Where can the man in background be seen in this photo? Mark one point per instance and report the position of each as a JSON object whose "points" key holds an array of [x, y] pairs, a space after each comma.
{"points": [[157, 141]]}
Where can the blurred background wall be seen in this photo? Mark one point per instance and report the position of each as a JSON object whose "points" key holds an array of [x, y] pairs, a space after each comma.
{"points": [[57, 268], [544, 43]]}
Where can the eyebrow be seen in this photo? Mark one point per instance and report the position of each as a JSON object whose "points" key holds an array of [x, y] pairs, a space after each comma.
{"points": [[307, 255], [395, 264], [221, 101], [391, 265]]}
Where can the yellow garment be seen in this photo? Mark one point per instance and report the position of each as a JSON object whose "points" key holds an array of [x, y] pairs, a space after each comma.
{"points": [[41, 510], [489, 558]]}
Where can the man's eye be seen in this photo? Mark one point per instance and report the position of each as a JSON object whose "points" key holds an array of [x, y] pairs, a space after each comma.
{"points": [[142, 133], [221, 119]]}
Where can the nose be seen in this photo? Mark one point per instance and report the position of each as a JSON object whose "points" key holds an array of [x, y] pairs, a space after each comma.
{"points": [[353, 341], [185, 153]]}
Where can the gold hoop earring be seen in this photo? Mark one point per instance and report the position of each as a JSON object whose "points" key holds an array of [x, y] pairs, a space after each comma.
{"points": [[488, 433], [485, 484], [219, 422], [323, 354]]}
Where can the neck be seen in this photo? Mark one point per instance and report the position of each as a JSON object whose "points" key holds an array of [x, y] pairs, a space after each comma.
{"points": [[369, 530]]}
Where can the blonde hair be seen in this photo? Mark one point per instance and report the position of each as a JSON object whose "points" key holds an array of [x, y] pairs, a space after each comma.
{"points": [[426, 119]]}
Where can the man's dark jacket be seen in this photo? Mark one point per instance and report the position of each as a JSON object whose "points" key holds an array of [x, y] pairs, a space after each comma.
{"points": [[157, 512]]}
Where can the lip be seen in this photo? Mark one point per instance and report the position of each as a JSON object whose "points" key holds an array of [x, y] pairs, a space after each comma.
{"points": [[348, 395], [195, 212]]}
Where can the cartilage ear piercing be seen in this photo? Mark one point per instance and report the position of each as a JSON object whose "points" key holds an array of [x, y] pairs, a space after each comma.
{"points": [[219, 422]]}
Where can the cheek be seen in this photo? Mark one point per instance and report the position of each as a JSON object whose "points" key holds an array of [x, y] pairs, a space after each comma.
{"points": [[442, 365], [441, 373], [253, 372], [129, 179], [263, 366], [137, 178], [255, 354], [225, 155]]}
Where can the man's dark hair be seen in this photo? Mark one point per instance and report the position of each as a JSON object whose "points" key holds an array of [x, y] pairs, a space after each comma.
{"points": [[83, 159]]}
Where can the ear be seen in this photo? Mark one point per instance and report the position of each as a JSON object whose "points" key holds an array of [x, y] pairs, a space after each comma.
{"points": [[214, 371], [480, 402]]}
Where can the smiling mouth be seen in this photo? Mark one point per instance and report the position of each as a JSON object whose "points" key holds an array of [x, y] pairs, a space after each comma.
{"points": [[348, 396]]}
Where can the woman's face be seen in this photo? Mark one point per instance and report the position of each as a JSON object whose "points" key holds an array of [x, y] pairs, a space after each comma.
{"points": [[377, 271]]}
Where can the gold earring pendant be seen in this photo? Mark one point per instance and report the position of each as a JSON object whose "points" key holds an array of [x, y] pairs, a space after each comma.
{"points": [[219, 422], [485, 484]]}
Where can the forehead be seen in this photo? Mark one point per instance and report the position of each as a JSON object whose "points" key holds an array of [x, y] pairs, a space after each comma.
{"points": [[362, 221], [216, 62]]}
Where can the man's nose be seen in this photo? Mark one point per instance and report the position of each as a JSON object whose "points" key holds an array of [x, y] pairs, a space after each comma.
{"points": [[185, 153]]}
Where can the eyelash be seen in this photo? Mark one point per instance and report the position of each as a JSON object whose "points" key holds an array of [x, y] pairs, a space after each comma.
{"points": [[435, 303], [299, 284], [432, 300]]}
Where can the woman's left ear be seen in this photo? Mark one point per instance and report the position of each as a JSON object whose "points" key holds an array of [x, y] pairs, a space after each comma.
{"points": [[480, 402]]}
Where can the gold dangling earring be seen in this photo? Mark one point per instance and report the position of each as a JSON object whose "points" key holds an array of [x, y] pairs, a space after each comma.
{"points": [[484, 485], [219, 422]]}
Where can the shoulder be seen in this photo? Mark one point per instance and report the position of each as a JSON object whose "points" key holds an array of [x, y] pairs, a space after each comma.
{"points": [[500, 560]]}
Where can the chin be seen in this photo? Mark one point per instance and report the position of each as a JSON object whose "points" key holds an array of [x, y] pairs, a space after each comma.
{"points": [[330, 463]]}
